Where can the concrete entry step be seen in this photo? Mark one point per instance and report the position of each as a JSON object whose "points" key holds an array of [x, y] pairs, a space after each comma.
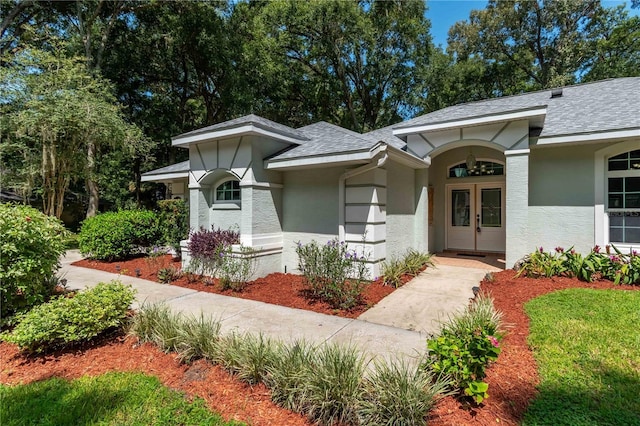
{"points": [[490, 262], [429, 299]]}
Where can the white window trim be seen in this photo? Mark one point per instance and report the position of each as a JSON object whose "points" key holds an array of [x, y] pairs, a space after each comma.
{"points": [[601, 216], [492, 160], [228, 203]]}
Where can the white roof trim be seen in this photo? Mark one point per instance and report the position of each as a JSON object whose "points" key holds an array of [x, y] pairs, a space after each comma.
{"points": [[321, 160], [519, 115], [354, 157], [247, 129], [589, 137], [407, 159], [164, 176]]}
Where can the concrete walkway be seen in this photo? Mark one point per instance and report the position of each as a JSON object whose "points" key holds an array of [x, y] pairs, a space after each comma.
{"points": [[398, 325]]}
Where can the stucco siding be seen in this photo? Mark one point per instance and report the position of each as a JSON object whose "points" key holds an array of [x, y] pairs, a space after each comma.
{"points": [[265, 213], [310, 201], [400, 208], [225, 218], [561, 226], [562, 176]]}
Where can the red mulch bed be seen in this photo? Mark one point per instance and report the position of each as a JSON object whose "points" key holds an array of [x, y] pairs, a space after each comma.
{"points": [[278, 289], [512, 379], [222, 392]]}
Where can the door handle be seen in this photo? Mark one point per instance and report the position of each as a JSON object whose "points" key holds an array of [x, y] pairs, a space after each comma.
{"points": [[478, 223]]}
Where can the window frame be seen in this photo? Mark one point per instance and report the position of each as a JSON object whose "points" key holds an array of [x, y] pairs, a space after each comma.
{"points": [[451, 167], [234, 201], [631, 171]]}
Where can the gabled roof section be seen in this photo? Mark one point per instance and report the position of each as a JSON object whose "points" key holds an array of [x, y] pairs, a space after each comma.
{"points": [[602, 106], [249, 124], [333, 145], [325, 139], [174, 171]]}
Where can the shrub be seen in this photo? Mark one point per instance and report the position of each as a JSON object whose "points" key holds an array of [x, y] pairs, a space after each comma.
{"points": [[158, 325], [467, 344], [65, 320], [392, 271], [236, 269], [30, 245], [116, 235], [411, 263], [197, 338], [207, 246], [248, 356], [617, 267], [288, 374], [333, 272], [191, 337], [173, 218], [333, 389], [168, 274], [397, 393]]}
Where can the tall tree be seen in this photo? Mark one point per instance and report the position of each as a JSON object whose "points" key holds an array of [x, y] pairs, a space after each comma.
{"points": [[57, 108], [350, 62], [541, 43]]}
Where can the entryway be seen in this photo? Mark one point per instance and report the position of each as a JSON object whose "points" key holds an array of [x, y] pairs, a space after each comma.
{"points": [[476, 217]]}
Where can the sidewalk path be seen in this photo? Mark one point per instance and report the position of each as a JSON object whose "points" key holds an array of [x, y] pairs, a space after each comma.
{"points": [[398, 325]]}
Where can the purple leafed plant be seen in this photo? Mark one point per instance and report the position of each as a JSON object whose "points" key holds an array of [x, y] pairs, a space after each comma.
{"points": [[206, 244]]}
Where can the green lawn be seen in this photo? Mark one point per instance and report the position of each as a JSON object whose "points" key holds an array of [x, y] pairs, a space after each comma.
{"points": [[110, 399], [587, 344]]}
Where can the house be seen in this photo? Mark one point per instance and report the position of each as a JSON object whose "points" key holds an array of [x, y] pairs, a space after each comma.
{"points": [[550, 168]]}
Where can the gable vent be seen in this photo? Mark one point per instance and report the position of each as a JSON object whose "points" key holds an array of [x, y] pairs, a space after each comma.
{"points": [[556, 93]]}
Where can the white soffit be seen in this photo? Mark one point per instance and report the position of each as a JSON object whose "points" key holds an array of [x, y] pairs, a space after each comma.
{"points": [[164, 176]]}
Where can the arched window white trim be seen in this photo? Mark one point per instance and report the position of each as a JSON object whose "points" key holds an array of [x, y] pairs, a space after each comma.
{"points": [[616, 218], [623, 197], [227, 191], [483, 167]]}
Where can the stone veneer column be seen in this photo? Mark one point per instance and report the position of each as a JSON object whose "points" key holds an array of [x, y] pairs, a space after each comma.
{"points": [[517, 205]]}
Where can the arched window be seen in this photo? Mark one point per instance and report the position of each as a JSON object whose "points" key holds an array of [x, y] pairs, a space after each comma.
{"points": [[481, 168], [623, 197], [228, 191]]}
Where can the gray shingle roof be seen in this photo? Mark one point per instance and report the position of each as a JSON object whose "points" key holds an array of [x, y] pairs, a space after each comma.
{"points": [[326, 139], [174, 168], [248, 119], [385, 134], [585, 108]]}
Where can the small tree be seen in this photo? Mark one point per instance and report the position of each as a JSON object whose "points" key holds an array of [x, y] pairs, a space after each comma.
{"points": [[55, 107]]}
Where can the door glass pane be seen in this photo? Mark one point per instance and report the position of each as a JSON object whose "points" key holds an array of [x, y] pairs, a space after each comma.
{"points": [[460, 207], [491, 200]]}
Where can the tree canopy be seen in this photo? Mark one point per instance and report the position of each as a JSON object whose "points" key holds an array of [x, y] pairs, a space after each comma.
{"points": [[104, 74]]}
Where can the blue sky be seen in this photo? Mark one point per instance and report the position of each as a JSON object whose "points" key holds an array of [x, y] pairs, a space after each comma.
{"points": [[444, 13]]}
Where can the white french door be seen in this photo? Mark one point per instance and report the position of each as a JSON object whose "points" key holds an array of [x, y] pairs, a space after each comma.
{"points": [[475, 217]]}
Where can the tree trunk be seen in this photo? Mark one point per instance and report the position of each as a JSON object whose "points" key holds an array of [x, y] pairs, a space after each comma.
{"points": [[92, 185]]}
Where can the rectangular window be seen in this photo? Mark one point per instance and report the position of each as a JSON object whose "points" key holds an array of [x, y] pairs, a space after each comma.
{"points": [[624, 227]]}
